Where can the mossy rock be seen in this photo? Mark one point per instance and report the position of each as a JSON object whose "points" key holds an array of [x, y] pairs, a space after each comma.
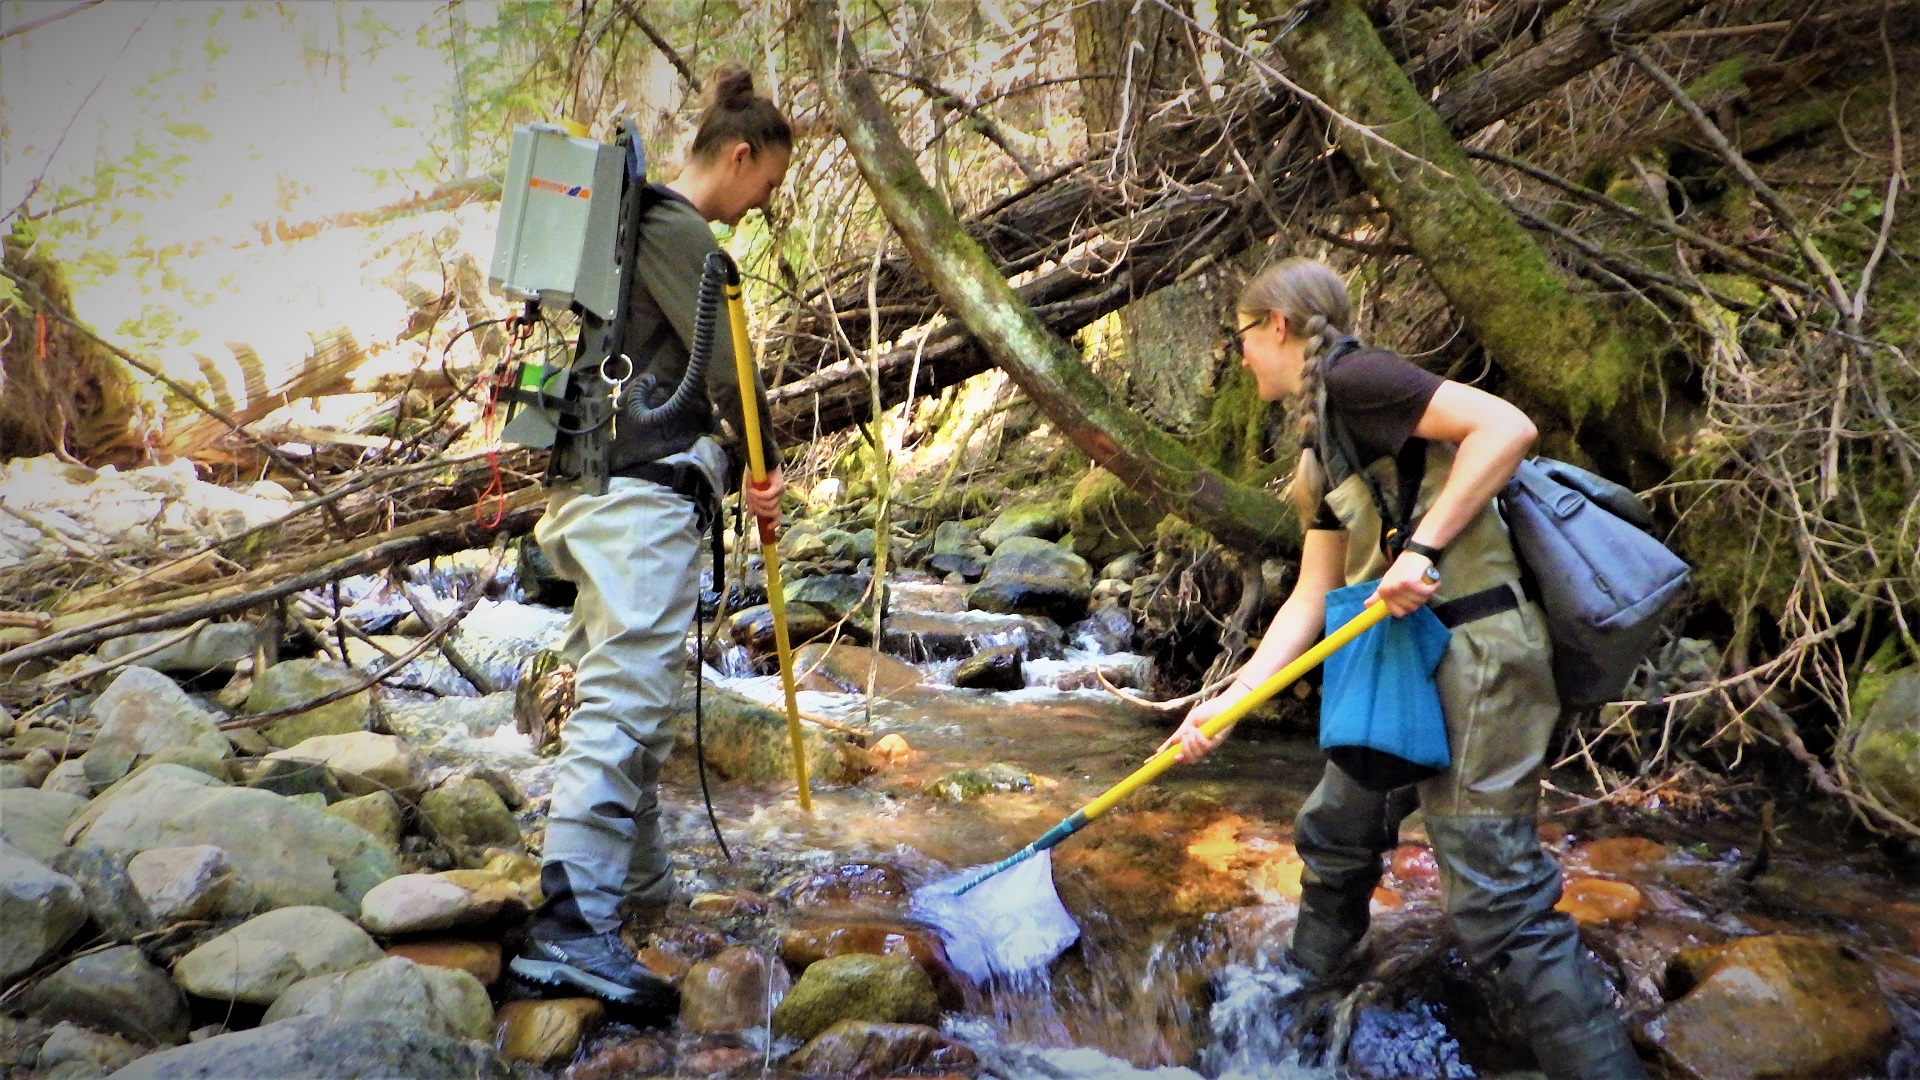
{"points": [[296, 681], [965, 785], [466, 811], [745, 740], [882, 989], [1107, 518], [1046, 520], [1886, 751]]}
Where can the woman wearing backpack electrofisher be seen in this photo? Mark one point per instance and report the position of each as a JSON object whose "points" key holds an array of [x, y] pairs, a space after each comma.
{"points": [[1495, 683]]}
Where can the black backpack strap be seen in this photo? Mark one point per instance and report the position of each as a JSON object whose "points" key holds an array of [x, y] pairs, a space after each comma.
{"points": [[1409, 465]]}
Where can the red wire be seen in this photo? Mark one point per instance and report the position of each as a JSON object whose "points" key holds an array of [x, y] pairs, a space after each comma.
{"points": [[496, 489]]}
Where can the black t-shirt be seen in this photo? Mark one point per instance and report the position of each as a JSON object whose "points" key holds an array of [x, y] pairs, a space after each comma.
{"points": [[1380, 397]]}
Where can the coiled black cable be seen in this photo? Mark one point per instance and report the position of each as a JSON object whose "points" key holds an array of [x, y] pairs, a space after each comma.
{"points": [[687, 396]]}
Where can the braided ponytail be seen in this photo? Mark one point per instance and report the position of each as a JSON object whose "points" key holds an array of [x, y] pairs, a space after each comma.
{"points": [[1314, 301]]}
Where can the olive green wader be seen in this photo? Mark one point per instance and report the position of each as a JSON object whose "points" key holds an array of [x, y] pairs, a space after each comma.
{"points": [[1497, 692]]}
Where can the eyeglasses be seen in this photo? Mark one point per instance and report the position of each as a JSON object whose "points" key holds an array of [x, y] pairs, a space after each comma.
{"points": [[1240, 333]]}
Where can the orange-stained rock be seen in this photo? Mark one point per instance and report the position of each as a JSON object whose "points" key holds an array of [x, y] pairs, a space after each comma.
{"points": [[480, 959], [1413, 864], [1385, 899], [737, 902], [891, 750], [718, 1061], [1779, 1006], [1277, 880], [1617, 856], [641, 1057], [665, 961], [1598, 901], [852, 887], [861, 1050], [803, 945], [545, 1031], [734, 991]]}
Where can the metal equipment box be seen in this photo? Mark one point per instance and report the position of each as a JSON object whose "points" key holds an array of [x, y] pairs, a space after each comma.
{"points": [[559, 221]]}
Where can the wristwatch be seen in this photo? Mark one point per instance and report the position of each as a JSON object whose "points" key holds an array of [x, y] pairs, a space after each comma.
{"points": [[1432, 553]]}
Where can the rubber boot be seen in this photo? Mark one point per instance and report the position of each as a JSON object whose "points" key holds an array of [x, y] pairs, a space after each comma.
{"points": [[1340, 833], [1500, 890]]}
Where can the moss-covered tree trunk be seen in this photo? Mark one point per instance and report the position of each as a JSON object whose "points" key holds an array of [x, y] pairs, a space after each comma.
{"points": [[1564, 351], [1047, 368]]}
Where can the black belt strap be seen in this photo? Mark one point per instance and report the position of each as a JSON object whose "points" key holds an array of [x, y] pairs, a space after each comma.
{"points": [[685, 480], [1475, 606]]}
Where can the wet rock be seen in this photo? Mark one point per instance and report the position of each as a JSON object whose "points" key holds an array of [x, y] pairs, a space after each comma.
{"points": [[378, 814], [1413, 864], [444, 1001], [734, 991], [997, 668], [118, 991], [665, 960], [956, 550], [468, 812], [195, 882], [149, 711], [480, 959], [752, 629], [718, 1061], [1087, 672], [1886, 751], [296, 682], [1029, 576], [891, 751], [1599, 902], [886, 989], [641, 1057], [965, 785], [850, 666], [858, 1049], [746, 740], [290, 853], [294, 779], [259, 959], [930, 636], [39, 911], [1618, 856], [1107, 629], [850, 888], [34, 821], [1781, 1007], [1108, 519], [315, 1048], [93, 1052], [804, 945], [838, 596], [1046, 521], [416, 903], [450, 729], [1277, 880], [361, 762], [545, 1032], [112, 902], [728, 904], [213, 647]]}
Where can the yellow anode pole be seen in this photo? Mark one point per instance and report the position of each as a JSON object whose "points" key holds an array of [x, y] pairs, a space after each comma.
{"points": [[769, 547]]}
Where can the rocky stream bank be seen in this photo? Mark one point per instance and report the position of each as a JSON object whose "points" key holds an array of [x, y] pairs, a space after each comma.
{"points": [[186, 894]]}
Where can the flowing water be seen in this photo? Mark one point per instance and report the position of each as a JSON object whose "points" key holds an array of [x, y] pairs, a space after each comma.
{"points": [[1181, 897]]}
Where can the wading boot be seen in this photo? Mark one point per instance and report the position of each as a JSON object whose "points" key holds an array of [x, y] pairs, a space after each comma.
{"points": [[601, 965]]}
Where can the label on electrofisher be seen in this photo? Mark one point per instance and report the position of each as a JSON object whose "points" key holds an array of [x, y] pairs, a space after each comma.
{"points": [[539, 183]]}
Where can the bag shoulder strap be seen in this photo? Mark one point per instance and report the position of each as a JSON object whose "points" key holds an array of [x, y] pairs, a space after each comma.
{"points": [[1409, 465]]}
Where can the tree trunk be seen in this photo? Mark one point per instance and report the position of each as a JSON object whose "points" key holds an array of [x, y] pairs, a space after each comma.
{"points": [[1563, 350], [1131, 56], [1043, 365]]}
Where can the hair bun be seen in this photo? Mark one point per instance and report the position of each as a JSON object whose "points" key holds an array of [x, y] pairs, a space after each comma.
{"points": [[732, 87]]}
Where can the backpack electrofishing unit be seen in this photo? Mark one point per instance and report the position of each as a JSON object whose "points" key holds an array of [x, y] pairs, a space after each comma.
{"points": [[571, 216]]}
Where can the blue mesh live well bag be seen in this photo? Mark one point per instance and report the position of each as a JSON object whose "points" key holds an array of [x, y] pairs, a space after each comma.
{"points": [[1380, 718]]}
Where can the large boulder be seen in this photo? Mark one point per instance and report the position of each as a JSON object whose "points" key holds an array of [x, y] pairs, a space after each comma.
{"points": [[1779, 1007], [1044, 520], [444, 1001], [957, 550], [259, 959], [196, 882], [133, 787], [457, 730], [416, 903], [317, 1048], [849, 667], [119, 991], [752, 629], [467, 813], [886, 989], [734, 991], [149, 711], [840, 596], [34, 820], [296, 682], [362, 762], [745, 740], [1108, 519], [39, 911], [1029, 576], [291, 853], [1886, 748], [994, 668]]}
